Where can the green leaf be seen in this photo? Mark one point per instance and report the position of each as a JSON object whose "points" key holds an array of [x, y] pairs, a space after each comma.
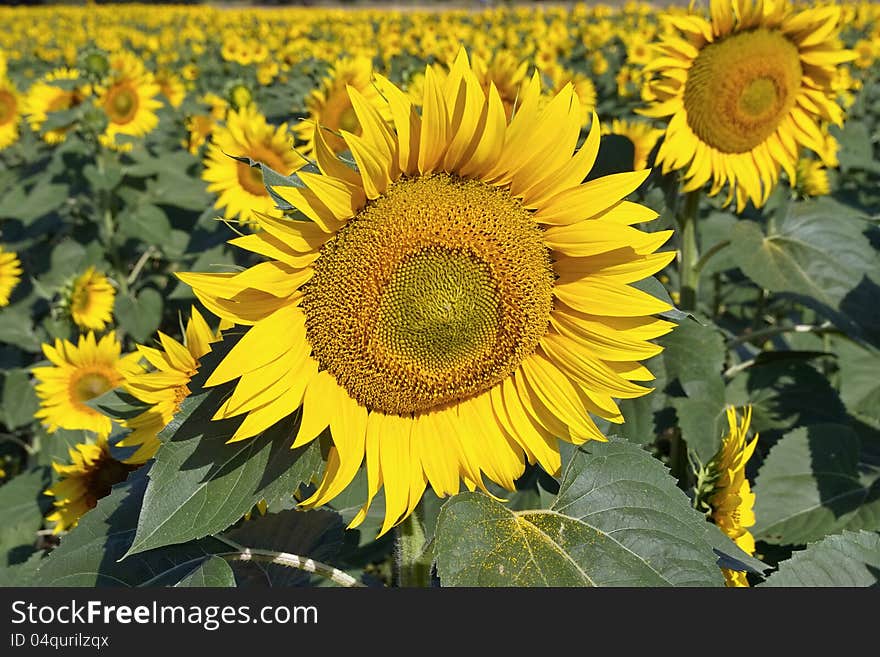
{"points": [[91, 554], [859, 383], [848, 559], [694, 357], [17, 329], [619, 520], [812, 484], [117, 404], [139, 316], [819, 251], [212, 572], [315, 534], [24, 502], [19, 399], [200, 484], [45, 197], [145, 222]]}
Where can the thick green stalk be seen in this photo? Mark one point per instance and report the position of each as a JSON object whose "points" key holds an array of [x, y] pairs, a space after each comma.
{"points": [[412, 565], [688, 270]]}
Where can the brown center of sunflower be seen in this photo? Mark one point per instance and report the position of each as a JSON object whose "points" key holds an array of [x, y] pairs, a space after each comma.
{"points": [[103, 475], [7, 107], [433, 293], [121, 104], [740, 89], [90, 384]]}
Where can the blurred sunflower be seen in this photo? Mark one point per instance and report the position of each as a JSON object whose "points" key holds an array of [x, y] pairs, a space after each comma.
{"points": [[744, 90], [10, 113], [10, 275], [89, 300], [461, 283], [329, 105], [90, 475], [55, 92], [80, 372], [166, 386], [812, 178], [241, 188], [643, 137], [171, 87], [724, 493], [507, 72], [129, 102]]}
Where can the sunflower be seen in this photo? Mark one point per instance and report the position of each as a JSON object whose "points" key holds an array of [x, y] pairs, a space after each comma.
{"points": [[88, 477], [90, 300], [330, 107], [10, 112], [241, 188], [80, 372], [129, 102], [56, 92], [812, 178], [10, 275], [165, 387], [723, 490], [744, 91], [643, 137], [171, 87], [461, 283]]}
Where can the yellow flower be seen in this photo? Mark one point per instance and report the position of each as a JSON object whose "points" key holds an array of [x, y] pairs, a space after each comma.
{"points": [[10, 113], [80, 372], [330, 107], [241, 188], [129, 102], [10, 275], [88, 477], [744, 91], [451, 308], [90, 301], [166, 386], [642, 135], [171, 87], [723, 488], [56, 92], [812, 178]]}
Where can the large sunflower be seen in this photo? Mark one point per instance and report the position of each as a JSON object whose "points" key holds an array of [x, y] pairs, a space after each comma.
{"points": [[55, 92], [329, 104], [744, 90], [80, 372], [247, 134], [90, 300], [10, 275], [451, 308], [10, 113], [166, 386], [88, 477], [129, 99]]}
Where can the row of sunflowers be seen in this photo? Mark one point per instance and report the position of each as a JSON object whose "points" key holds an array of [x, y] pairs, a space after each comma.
{"points": [[492, 286]]}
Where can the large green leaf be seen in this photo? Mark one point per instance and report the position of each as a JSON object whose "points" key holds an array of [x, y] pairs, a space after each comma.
{"points": [[812, 484], [19, 399], [818, 250], [859, 380], [141, 315], [23, 502], [315, 534], [201, 484], [847, 559], [90, 554], [619, 520], [693, 357]]}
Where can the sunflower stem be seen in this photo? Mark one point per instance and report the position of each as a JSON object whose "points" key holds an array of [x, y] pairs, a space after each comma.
{"points": [[412, 562], [688, 270]]}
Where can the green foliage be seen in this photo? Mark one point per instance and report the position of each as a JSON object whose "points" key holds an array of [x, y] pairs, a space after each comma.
{"points": [[846, 560]]}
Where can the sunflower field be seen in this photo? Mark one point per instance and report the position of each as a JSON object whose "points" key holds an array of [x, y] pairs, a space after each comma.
{"points": [[527, 295]]}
